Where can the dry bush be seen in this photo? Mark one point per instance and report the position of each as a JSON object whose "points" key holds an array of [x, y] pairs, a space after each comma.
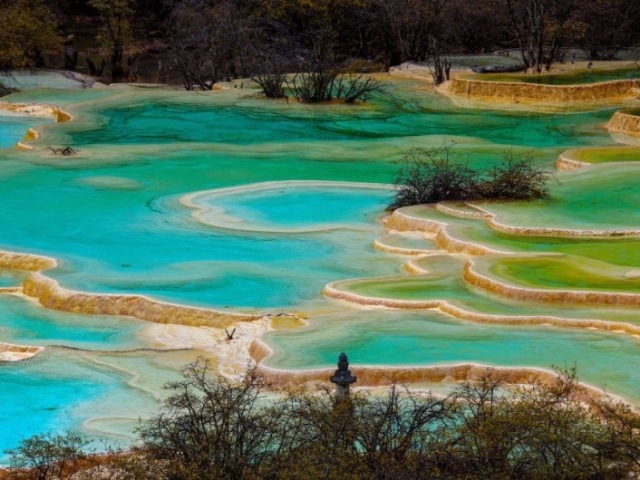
{"points": [[213, 428], [435, 175]]}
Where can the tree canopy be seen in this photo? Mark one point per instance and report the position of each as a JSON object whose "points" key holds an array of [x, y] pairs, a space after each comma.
{"points": [[202, 41], [28, 28]]}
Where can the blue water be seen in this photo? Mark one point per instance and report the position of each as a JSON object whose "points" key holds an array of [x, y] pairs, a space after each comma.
{"points": [[23, 323], [40, 396], [111, 216], [14, 127], [305, 206]]}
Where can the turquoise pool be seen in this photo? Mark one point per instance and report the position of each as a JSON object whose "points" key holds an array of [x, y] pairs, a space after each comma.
{"points": [[114, 217]]}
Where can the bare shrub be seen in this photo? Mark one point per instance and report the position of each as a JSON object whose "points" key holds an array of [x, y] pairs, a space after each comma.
{"points": [[516, 178], [212, 428], [441, 70], [313, 86], [351, 89], [271, 83], [432, 175], [47, 456], [322, 83], [435, 175], [545, 430]]}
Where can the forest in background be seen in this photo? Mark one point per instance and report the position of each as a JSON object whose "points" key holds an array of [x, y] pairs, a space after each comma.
{"points": [[200, 42]]}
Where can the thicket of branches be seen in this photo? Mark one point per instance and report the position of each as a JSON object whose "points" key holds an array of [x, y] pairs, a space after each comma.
{"points": [[435, 175], [211, 428], [326, 85], [47, 456], [205, 41]]}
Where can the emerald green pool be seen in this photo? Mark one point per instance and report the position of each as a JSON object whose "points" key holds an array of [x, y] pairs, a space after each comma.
{"points": [[573, 78], [622, 251], [432, 338], [597, 198], [565, 272], [115, 218], [607, 155]]}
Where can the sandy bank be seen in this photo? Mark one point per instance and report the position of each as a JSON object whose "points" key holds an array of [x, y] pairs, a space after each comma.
{"points": [[230, 356]]}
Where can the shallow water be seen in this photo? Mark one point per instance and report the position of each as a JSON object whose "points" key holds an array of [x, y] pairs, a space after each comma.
{"points": [[247, 123], [22, 322], [102, 394], [114, 219], [432, 338], [598, 198], [13, 127], [582, 77]]}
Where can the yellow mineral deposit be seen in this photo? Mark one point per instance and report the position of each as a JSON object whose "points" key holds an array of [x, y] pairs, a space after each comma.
{"points": [[626, 123], [51, 295], [485, 282], [38, 110], [565, 162], [471, 89], [333, 291], [381, 246], [16, 353], [383, 376], [26, 262], [403, 221], [558, 232]]}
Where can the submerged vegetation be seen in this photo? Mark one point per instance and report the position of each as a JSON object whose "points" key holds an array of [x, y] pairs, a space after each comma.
{"points": [[213, 428], [435, 175]]}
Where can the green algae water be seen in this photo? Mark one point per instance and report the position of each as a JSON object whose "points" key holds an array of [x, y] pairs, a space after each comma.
{"points": [[115, 218], [572, 78]]}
